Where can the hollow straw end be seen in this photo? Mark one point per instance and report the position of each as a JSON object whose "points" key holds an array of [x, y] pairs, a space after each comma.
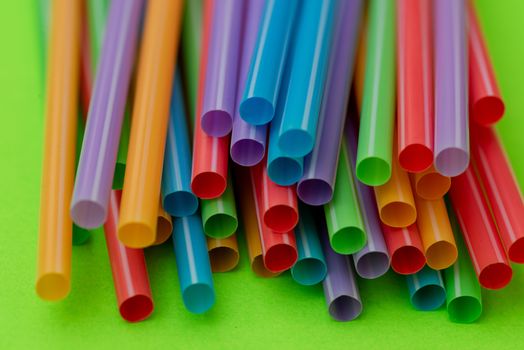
{"points": [[309, 271], [217, 123], [398, 214], [348, 240], [432, 186], [256, 110], [223, 259], [345, 308], [88, 214], [496, 276], [488, 110], [441, 255], [52, 286], [281, 218], [373, 171], [516, 251], [429, 297], [407, 260], [247, 152], [464, 309], [180, 203], [280, 257], [372, 264], [296, 143], [136, 308], [136, 235], [314, 191], [285, 171], [208, 185], [415, 158], [452, 161], [198, 298], [220, 225]]}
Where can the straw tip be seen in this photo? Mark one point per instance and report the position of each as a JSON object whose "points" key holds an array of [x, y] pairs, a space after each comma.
{"points": [[136, 235], [315, 191], [345, 308], [415, 158], [208, 185], [464, 309], [88, 214], [488, 110], [309, 271], [496, 276], [280, 257], [52, 286], [296, 143], [247, 152], [398, 214], [373, 171], [348, 240], [284, 171], [281, 218], [452, 161], [408, 260], [441, 255], [199, 297], [180, 203], [429, 297], [372, 264], [217, 123], [223, 259], [256, 110], [220, 225], [136, 308], [432, 186]]}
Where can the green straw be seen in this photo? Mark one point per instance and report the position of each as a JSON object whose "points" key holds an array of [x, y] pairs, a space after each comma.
{"points": [[463, 296], [343, 216], [378, 113], [219, 215]]}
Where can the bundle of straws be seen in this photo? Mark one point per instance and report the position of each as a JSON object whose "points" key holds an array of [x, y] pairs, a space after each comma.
{"points": [[331, 180]]}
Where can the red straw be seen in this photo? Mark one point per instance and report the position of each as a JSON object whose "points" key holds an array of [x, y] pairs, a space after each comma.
{"points": [[502, 190], [278, 204], [86, 75], [480, 233], [486, 104], [404, 248], [210, 154], [415, 85]]}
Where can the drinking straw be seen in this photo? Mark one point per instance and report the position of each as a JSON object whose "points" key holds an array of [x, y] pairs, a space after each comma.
{"points": [[262, 86], [164, 226], [219, 215], [480, 233], [405, 248], [340, 285], [310, 267], [80, 235], [177, 198], [372, 261], [278, 204], [130, 277], [250, 224], [221, 72], [436, 234], [320, 166], [377, 114], [86, 74], [395, 202], [464, 300], [360, 65], [210, 154], [223, 253], [430, 184], [248, 141], [55, 232], [99, 149], [414, 85], [192, 263], [297, 133], [451, 89], [426, 289], [345, 226], [485, 102], [138, 215], [502, 190]]}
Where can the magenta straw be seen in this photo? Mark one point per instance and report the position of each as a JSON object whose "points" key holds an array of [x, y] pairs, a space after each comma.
{"points": [[320, 166], [96, 166], [222, 68], [451, 89], [248, 142]]}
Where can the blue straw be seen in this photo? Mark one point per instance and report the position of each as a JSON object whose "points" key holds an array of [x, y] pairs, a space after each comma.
{"points": [[426, 289], [192, 262], [177, 198]]}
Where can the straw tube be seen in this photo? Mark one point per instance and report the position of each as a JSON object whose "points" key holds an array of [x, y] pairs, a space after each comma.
{"points": [[426, 289], [223, 253], [219, 215], [430, 184], [405, 248]]}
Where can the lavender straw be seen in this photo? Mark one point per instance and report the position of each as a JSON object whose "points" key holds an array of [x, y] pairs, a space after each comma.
{"points": [[451, 88], [96, 166], [222, 68], [320, 166], [248, 142]]}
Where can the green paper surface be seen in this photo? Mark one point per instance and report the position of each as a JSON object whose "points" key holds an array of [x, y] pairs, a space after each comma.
{"points": [[250, 312]]}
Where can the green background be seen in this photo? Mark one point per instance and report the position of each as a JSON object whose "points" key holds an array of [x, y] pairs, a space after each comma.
{"points": [[258, 313]]}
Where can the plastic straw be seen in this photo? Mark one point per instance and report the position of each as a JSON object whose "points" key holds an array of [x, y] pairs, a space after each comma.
{"points": [[502, 190], [314, 32], [86, 73], [395, 202], [340, 285], [485, 102], [222, 68], [250, 223], [164, 226], [219, 215], [464, 300], [192, 263], [405, 248], [55, 233], [128, 266], [360, 65], [426, 289], [278, 204], [262, 86], [345, 226], [451, 89], [223, 253], [248, 141], [480, 233], [373, 260], [310, 267], [436, 234], [415, 85], [378, 105], [210, 154], [80, 235], [97, 159], [430, 184], [138, 213], [177, 198], [320, 166]]}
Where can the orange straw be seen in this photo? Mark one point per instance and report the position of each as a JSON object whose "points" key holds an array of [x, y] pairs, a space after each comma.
{"points": [[139, 210], [430, 184], [55, 238], [223, 253]]}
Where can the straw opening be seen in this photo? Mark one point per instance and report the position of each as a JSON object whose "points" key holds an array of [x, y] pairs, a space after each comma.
{"points": [[284, 171], [281, 218], [247, 152], [88, 214], [429, 297], [516, 251], [223, 259], [280, 257], [488, 110], [373, 171], [348, 240], [208, 185], [441, 255], [398, 214], [136, 235], [137, 308], [415, 158], [452, 161], [180, 203], [432, 186], [296, 142], [464, 309], [164, 228], [256, 110], [198, 298], [52, 286], [309, 271], [345, 308], [372, 265], [315, 191], [220, 225], [495, 276], [217, 123], [407, 260]]}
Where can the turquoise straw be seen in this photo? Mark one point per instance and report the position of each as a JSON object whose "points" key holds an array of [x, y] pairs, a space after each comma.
{"points": [[426, 289]]}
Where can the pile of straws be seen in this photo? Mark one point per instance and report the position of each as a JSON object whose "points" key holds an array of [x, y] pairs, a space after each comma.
{"points": [[269, 83]]}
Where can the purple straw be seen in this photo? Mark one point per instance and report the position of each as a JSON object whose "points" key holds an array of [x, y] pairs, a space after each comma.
{"points": [[320, 166], [373, 260], [451, 89], [222, 68], [96, 166], [340, 287], [248, 142]]}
